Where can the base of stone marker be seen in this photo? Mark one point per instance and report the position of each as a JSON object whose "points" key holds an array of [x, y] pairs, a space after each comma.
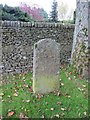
{"points": [[45, 84]]}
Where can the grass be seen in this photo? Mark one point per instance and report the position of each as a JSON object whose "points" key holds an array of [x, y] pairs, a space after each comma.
{"points": [[71, 101]]}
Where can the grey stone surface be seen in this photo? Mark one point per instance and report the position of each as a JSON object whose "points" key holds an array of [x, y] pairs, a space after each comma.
{"points": [[81, 23], [46, 63], [80, 54]]}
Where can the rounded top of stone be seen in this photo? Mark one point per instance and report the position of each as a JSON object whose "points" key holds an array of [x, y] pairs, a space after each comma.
{"points": [[45, 42]]}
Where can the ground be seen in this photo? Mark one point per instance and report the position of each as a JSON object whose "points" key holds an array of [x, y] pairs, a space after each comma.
{"points": [[70, 101]]}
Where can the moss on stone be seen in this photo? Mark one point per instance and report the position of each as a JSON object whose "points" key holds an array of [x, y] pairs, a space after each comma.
{"points": [[35, 45], [85, 30]]}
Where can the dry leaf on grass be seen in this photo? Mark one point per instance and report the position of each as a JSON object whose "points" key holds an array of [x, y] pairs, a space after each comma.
{"points": [[27, 101], [42, 116], [1, 94], [52, 109], [59, 103], [10, 113], [57, 115], [21, 115], [85, 113], [15, 94], [63, 109], [62, 84]]}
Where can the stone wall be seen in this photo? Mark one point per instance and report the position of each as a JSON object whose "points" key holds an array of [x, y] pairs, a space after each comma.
{"points": [[18, 39]]}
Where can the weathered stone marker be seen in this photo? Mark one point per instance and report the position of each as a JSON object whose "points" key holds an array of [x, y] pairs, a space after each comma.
{"points": [[46, 66]]}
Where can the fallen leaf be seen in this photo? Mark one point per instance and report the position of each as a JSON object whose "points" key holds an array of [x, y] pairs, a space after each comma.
{"points": [[85, 113], [60, 79], [62, 84], [8, 96], [62, 114], [42, 116], [25, 85], [58, 94], [69, 96], [52, 109], [1, 94], [21, 115], [27, 101], [15, 94], [30, 89], [57, 115], [10, 113], [23, 78], [63, 109], [80, 89], [69, 78], [39, 96], [74, 76], [84, 86], [59, 103], [26, 117]]}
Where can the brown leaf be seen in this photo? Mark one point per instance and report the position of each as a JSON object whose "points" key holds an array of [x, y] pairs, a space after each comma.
{"points": [[10, 113], [59, 103], [21, 115], [30, 89]]}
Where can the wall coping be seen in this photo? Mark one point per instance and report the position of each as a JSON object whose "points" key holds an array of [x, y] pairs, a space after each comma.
{"points": [[34, 24]]}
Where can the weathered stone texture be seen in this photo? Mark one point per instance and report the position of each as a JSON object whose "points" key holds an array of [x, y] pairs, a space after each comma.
{"points": [[18, 39], [46, 61], [80, 52]]}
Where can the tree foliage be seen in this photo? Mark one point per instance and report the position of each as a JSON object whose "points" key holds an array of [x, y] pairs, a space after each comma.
{"points": [[62, 10], [54, 12], [23, 13], [38, 14]]}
